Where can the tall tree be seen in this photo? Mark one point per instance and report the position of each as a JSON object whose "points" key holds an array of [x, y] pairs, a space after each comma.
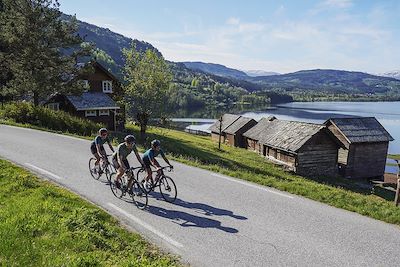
{"points": [[43, 48], [147, 77]]}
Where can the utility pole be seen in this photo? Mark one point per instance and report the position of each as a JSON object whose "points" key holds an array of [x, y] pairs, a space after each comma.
{"points": [[397, 198], [220, 132]]}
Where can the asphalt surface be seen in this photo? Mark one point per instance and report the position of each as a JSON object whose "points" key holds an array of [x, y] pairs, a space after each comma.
{"points": [[216, 220]]}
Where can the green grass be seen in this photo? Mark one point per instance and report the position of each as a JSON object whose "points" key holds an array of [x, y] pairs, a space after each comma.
{"points": [[394, 156], [44, 225]]}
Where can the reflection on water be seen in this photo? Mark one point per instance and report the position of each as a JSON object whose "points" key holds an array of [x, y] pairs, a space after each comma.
{"points": [[387, 113]]}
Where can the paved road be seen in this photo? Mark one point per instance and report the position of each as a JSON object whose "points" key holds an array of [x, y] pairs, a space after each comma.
{"points": [[217, 220]]}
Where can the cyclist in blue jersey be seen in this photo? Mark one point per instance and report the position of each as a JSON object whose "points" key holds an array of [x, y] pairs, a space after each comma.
{"points": [[149, 159], [97, 146]]}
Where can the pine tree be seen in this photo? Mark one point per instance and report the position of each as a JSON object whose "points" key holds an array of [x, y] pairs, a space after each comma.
{"points": [[43, 48]]}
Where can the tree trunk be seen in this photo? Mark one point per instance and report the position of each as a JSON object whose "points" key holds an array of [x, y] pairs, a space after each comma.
{"points": [[35, 99], [143, 119]]}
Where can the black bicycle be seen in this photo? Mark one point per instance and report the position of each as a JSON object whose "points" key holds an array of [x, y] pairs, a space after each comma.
{"points": [[165, 184], [104, 167], [135, 190]]}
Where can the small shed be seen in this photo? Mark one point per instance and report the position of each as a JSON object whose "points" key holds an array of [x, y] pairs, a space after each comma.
{"points": [[234, 132], [306, 148], [365, 145], [227, 120], [253, 135]]}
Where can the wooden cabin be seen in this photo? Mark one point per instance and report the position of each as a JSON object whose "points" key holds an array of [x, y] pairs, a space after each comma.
{"points": [[234, 132], [253, 135], [306, 148], [98, 102], [227, 120], [364, 146]]}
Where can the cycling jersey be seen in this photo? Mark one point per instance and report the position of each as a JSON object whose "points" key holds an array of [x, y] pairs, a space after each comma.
{"points": [[150, 154]]}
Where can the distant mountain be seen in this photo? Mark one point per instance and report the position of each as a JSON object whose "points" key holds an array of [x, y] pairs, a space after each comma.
{"points": [[392, 74], [216, 69], [300, 85], [110, 42], [256, 73], [329, 81]]}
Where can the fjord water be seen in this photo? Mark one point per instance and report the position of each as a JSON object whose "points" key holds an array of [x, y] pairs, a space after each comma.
{"points": [[387, 113]]}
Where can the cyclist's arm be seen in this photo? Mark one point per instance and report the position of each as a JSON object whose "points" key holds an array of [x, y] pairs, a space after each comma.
{"points": [[111, 147], [138, 156], [165, 159], [99, 151]]}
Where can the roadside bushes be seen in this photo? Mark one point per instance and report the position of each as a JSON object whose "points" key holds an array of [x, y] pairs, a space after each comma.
{"points": [[27, 113]]}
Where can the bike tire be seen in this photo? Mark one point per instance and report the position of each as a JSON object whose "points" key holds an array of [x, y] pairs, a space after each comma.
{"points": [[92, 165], [141, 175], [117, 192], [109, 171], [139, 195], [168, 189]]}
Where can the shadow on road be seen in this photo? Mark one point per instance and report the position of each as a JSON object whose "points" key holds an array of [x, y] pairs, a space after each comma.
{"points": [[200, 207], [185, 219]]}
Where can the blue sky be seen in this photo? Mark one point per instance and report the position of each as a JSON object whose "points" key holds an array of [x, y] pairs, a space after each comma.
{"points": [[281, 36]]}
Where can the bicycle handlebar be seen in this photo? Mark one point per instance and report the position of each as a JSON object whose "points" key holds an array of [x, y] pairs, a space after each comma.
{"points": [[168, 168]]}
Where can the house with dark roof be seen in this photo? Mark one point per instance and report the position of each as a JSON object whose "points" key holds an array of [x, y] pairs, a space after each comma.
{"points": [[234, 132], [306, 148], [232, 129], [98, 103], [221, 125], [253, 135], [364, 146]]}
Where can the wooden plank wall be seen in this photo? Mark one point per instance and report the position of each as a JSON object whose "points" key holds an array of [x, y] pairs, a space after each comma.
{"points": [[367, 160]]}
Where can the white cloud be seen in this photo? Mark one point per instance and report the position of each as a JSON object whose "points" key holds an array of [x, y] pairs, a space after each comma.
{"points": [[337, 3], [233, 21]]}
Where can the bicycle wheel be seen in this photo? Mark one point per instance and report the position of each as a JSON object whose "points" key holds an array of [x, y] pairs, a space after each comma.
{"points": [[109, 171], [139, 195], [118, 192], [93, 169], [168, 189], [141, 175]]}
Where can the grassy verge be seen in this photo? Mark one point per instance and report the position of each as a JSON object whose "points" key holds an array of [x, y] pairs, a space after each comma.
{"points": [[201, 152], [394, 156], [44, 225]]}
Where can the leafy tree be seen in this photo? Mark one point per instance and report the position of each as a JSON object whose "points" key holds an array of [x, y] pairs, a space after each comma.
{"points": [[147, 77], [43, 48]]}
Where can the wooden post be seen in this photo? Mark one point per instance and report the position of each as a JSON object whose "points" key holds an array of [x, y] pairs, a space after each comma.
{"points": [[220, 132], [397, 198]]}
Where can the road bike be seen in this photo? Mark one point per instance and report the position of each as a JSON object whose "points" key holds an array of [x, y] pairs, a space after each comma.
{"points": [[104, 167], [165, 183], [136, 190]]}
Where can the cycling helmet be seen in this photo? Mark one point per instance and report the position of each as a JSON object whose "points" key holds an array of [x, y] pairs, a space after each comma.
{"points": [[130, 139], [155, 143], [103, 130]]}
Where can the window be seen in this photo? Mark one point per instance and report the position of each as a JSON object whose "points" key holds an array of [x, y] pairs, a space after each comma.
{"points": [[107, 86], [104, 112], [54, 106], [90, 113]]}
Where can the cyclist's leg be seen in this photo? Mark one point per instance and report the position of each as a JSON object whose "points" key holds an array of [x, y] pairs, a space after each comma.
{"points": [[120, 170]]}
